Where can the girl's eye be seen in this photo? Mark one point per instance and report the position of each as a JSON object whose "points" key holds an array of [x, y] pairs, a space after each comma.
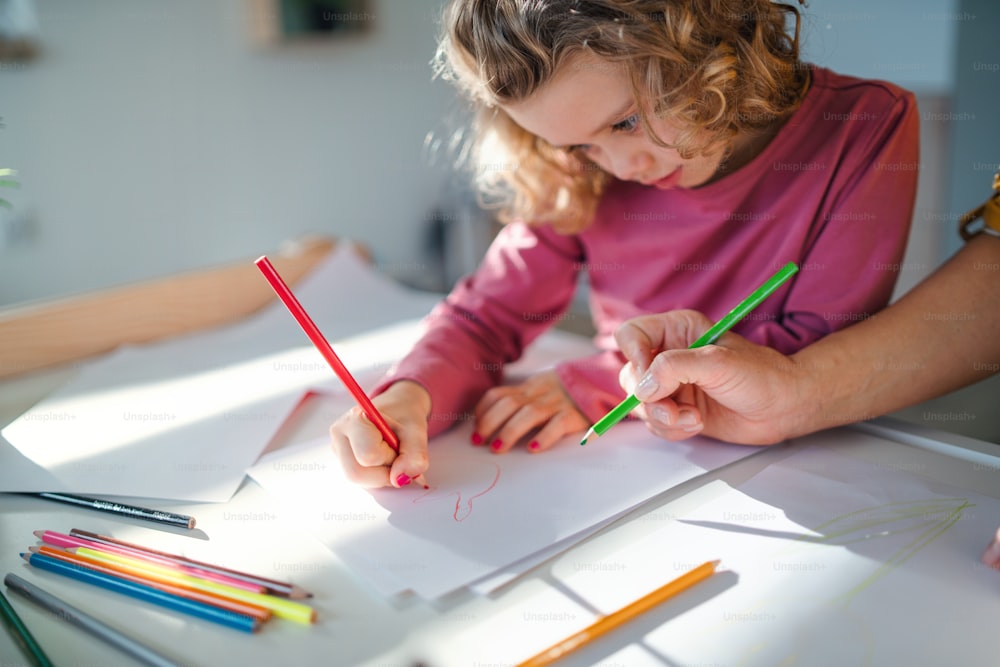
{"points": [[579, 148], [630, 124]]}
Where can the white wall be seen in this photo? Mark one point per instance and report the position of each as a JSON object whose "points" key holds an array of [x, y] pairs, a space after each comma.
{"points": [[152, 137], [913, 44], [908, 42]]}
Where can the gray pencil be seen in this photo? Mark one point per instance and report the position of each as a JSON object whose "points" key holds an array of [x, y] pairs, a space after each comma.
{"points": [[86, 622]]}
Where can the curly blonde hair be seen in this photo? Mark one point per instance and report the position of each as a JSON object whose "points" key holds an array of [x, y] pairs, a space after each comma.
{"points": [[715, 68]]}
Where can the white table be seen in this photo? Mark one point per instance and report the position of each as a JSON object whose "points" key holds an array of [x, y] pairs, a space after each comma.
{"points": [[357, 627]]}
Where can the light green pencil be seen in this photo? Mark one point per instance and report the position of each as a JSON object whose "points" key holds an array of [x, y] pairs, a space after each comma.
{"points": [[621, 410]]}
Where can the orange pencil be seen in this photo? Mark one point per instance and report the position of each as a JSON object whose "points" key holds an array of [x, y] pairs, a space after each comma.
{"points": [[607, 623], [252, 610]]}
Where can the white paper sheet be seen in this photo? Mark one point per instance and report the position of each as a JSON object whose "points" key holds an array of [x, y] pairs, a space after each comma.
{"points": [[182, 419], [828, 560], [483, 511]]}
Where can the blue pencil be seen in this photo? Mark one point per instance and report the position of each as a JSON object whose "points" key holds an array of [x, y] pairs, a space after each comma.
{"points": [[141, 592]]}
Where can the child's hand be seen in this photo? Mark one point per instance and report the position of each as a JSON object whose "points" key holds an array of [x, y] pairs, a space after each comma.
{"points": [[539, 406], [366, 458]]}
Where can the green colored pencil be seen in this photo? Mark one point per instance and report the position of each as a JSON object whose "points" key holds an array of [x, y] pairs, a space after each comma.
{"points": [[19, 631], [621, 410]]}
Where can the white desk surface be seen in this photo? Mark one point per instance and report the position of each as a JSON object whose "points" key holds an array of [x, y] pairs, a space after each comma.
{"points": [[355, 626]]}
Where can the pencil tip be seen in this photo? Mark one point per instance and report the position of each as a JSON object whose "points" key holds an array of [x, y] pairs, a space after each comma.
{"points": [[587, 436], [299, 592], [38, 533]]}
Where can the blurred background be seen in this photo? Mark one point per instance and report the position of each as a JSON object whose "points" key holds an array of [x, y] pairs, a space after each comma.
{"points": [[155, 137]]}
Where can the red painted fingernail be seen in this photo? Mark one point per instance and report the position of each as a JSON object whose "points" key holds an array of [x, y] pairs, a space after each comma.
{"points": [[403, 479], [533, 445], [477, 439], [497, 444]]}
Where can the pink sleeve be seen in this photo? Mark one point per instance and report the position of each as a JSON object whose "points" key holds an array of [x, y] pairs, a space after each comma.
{"points": [[860, 240], [592, 383], [524, 283]]}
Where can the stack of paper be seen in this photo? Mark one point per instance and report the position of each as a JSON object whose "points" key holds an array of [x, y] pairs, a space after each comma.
{"points": [[486, 518], [186, 419], [483, 512], [183, 419]]}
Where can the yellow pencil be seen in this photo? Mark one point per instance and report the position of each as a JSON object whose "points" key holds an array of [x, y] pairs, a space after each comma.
{"points": [[608, 623]]}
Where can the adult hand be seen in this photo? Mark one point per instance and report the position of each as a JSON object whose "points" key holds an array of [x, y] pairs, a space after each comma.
{"points": [[366, 458], [734, 390], [538, 410]]}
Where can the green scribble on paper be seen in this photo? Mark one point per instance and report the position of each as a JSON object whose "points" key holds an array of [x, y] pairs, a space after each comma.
{"points": [[928, 519]]}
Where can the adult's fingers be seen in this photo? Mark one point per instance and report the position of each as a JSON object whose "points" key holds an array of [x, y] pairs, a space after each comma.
{"points": [[641, 338]]}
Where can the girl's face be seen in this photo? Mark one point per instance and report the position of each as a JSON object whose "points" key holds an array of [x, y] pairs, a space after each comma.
{"points": [[588, 107]]}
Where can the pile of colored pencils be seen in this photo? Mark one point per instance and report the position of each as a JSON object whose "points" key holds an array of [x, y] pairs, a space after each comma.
{"points": [[229, 597]]}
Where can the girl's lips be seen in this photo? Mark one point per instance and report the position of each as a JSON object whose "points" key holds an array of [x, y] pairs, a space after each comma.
{"points": [[668, 181]]}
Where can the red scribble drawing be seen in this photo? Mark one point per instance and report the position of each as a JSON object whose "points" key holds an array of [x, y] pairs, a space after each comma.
{"points": [[462, 509]]}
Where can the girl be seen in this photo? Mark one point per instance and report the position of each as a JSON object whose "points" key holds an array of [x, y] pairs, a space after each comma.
{"points": [[676, 152]]}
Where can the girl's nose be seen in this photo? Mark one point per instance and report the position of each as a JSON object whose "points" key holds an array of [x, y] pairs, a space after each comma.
{"points": [[632, 165]]}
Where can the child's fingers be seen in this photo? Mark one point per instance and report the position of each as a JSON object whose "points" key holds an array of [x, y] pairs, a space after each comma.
{"points": [[525, 420], [551, 433], [412, 461], [371, 477], [493, 411], [366, 441]]}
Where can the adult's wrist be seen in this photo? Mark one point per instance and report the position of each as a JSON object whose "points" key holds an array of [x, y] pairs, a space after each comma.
{"points": [[813, 404]]}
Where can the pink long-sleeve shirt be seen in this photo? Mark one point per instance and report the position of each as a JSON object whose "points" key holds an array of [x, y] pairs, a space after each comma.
{"points": [[833, 191]]}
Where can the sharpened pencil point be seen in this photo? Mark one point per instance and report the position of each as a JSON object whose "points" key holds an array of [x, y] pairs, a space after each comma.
{"points": [[587, 435]]}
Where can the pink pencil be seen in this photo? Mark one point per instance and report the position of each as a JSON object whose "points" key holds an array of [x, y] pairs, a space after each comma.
{"points": [[299, 313], [70, 541]]}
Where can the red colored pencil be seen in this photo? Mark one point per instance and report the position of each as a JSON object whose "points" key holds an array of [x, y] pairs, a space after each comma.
{"points": [[299, 313]]}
